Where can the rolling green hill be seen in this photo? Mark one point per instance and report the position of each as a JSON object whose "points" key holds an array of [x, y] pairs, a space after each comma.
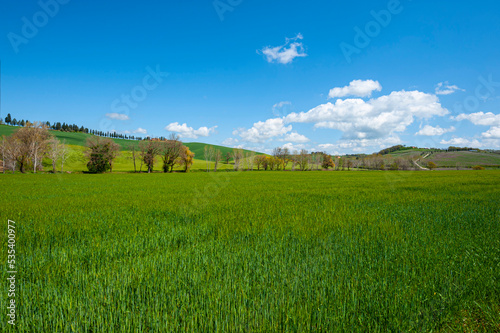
{"points": [[79, 139], [450, 159]]}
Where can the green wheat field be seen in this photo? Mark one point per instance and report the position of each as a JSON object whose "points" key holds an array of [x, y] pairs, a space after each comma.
{"points": [[255, 251]]}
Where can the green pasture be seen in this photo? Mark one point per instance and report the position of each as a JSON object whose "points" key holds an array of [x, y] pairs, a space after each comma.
{"points": [[254, 252]]}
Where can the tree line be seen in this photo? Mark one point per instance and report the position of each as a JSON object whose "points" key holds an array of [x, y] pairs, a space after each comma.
{"points": [[63, 127], [283, 159], [102, 152]]}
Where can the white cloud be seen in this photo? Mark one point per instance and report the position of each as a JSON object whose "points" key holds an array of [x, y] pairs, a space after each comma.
{"points": [[492, 133], [484, 119], [286, 53], [444, 88], [461, 142], [296, 137], [230, 142], [432, 131], [359, 88], [480, 118], [117, 116], [264, 130], [291, 147], [373, 119], [281, 104], [188, 132], [141, 131], [360, 145]]}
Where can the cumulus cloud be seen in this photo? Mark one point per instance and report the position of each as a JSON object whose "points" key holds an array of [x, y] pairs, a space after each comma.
{"points": [[296, 138], [492, 133], [360, 145], [432, 131], [461, 142], [444, 88], [141, 131], [230, 142], [291, 147], [188, 132], [373, 119], [484, 119], [264, 130], [480, 118], [285, 54], [117, 116], [358, 88]]}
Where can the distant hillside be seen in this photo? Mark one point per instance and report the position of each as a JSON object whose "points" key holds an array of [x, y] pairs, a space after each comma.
{"points": [[464, 159], [447, 159], [79, 139]]}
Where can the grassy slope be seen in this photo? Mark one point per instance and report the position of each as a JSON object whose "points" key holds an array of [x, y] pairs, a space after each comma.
{"points": [[79, 139], [123, 163], [450, 159], [464, 158]]}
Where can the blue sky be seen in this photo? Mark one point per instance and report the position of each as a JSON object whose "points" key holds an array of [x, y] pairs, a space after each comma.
{"points": [[335, 76]]}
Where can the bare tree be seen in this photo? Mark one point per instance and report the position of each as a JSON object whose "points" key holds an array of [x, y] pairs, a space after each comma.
{"points": [[3, 151], [64, 154], [38, 136], [316, 159], [208, 158], [134, 155], [295, 159], [29, 144], [237, 157], [302, 160], [277, 154], [54, 152], [348, 164], [251, 159], [148, 151], [217, 158], [259, 160], [211, 154]]}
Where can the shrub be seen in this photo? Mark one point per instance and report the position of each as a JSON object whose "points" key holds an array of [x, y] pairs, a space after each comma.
{"points": [[101, 153], [477, 167]]}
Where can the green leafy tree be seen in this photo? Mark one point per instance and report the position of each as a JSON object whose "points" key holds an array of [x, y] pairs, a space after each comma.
{"points": [[327, 162], [101, 153]]}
